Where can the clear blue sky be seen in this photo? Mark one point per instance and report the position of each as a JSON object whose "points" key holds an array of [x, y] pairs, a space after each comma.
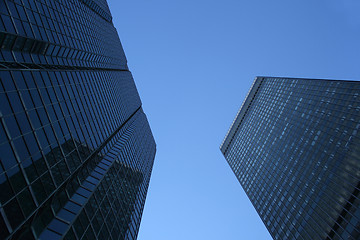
{"points": [[193, 62]]}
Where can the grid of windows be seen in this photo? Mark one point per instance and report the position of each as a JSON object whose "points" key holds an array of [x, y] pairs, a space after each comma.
{"points": [[76, 148], [71, 33], [118, 186], [296, 155]]}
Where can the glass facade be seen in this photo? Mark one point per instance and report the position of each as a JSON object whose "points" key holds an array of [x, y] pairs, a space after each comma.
{"points": [[76, 148], [295, 148]]}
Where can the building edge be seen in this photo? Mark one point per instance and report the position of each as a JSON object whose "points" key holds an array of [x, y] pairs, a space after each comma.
{"points": [[240, 114]]}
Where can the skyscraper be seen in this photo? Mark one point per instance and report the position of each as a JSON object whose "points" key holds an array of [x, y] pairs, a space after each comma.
{"points": [[76, 148], [295, 148]]}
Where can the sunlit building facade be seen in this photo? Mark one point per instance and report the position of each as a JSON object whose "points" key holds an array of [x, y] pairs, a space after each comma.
{"points": [[76, 148], [295, 148]]}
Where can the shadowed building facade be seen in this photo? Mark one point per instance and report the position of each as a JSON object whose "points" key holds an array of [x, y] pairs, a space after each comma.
{"points": [[295, 148], [76, 148]]}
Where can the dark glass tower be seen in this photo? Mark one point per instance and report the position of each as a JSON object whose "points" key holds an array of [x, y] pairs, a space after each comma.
{"points": [[76, 148], [295, 148]]}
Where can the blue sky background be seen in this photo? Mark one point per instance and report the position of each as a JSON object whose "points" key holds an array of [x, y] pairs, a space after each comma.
{"points": [[193, 62]]}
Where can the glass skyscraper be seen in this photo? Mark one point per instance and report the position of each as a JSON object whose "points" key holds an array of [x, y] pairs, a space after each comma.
{"points": [[76, 148], [295, 148]]}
